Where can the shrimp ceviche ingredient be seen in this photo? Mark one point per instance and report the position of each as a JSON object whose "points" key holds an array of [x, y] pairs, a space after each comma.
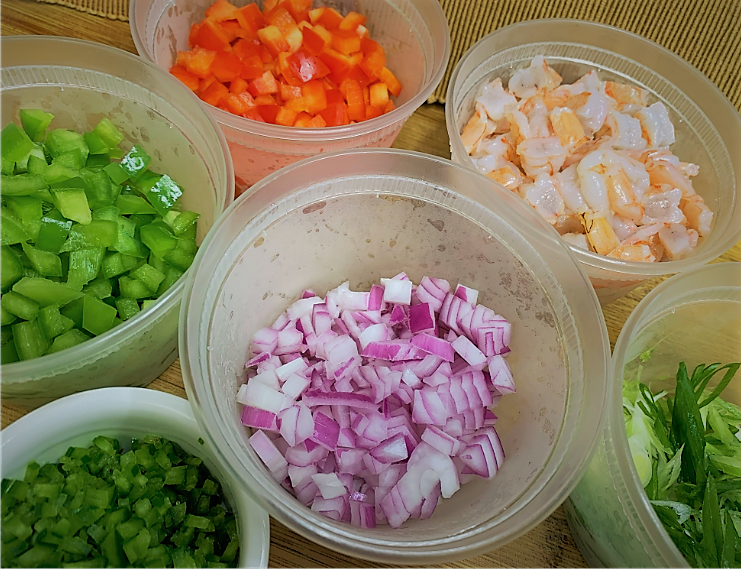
{"points": [[369, 407], [593, 159]]}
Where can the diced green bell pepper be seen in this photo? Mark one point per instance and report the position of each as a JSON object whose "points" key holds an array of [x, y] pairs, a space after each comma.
{"points": [[84, 266], [75, 159], [97, 316], [117, 174], [97, 161], [46, 292], [15, 143], [97, 233], [130, 204], [37, 152], [150, 276], [158, 237], [35, 122], [61, 141], [27, 208], [183, 254], [127, 308], [8, 355], [108, 132], [171, 277], [99, 288], [164, 195], [95, 144], [22, 184], [56, 174], [67, 340], [11, 269], [73, 311], [44, 263], [37, 165], [133, 288], [136, 162], [184, 221], [53, 323], [29, 340], [12, 230], [72, 204], [108, 213], [53, 232], [100, 190], [129, 245], [20, 305], [6, 317]]}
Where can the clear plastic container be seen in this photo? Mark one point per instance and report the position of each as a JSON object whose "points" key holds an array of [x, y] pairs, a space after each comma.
{"points": [[364, 214], [414, 34], [125, 413], [80, 83], [696, 318], [708, 128]]}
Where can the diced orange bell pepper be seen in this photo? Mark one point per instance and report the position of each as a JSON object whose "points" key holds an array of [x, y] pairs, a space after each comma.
{"points": [[356, 58], [239, 104], [252, 68], [352, 21], [362, 31], [211, 36], [190, 80], [316, 14], [206, 83], [379, 95], [313, 42], [339, 64], [299, 104], [391, 82], [288, 92], [268, 5], [324, 33], [374, 59], [268, 112], [317, 122], [285, 117], [226, 66], [354, 96], [372, 112], [250, 17], [390, 107], [335, 114], [272, 67], [233, 30], [239, 85], [273, 40], [265, 100], [366, 96], [264, 85], [199, 63], [302, 119], [214, 93], [329, 84], [301, 5], [192, 35], [315, 96], [221, 10], [183, 58], [345, 41], [297, 15], [330, 19]]}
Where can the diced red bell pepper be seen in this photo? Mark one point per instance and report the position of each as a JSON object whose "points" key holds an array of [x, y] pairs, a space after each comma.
{"points": [[288, 92], [316, 14], [239, 85], [329, 84], [301, 67], [301, 5], [296, 15], [313, 42], [264, 85], [339, 64], [268, 5], [200, 62], [280, 18], [302, 119], [273, 40], [272, 67], [345, 41], [265, 100], [238, 104], [379, 95], [250, 17], [221, 10], [206, 83], [214, 93], [334, 96], [254, 115], [390, 107], [299, 104], [268, 112], [393, 84], [374, 59], [211, 36], [366, 96], [317, 122], [354, 96], [357, 58], [187, 78], [324, 33], [357, 74], [226, 66], [252, 68], [352, 21], [330, 19], [335, 114], [315, 96], [285, 117], [372, 112], [362, 31], [192, 35], [233, 31]]}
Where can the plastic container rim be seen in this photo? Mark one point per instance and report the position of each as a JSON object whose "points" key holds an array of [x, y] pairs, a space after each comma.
{"points": [[587, 257], [304, 135], [97, 347]]}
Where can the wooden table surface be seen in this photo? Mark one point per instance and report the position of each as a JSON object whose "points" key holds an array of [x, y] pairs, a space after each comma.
{"points": [[548, 545]]}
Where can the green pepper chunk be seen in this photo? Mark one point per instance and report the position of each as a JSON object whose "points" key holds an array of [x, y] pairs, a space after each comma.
{"points": [[97, 316], [68, 340], [37, 165], [97, 233], [136, 162], [53, 323], [29, 339], [53, 232], [133, 288], [8, 355], [6, 317], [73, 204], [158, 237], [129, 204], [44, 263], [22, 184], [164, 194], [37, 153], [12, 230], [46, 292], [95, 144], [84, 266], [19, 305], [100, 288], [127, 308], [74, 159], [35, 122], [61, 141], [57, 174], [150, 276], [15, 143], [116, 173], [108, 132], [11, 270]]}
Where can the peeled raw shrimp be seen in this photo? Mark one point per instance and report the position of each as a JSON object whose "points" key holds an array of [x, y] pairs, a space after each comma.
{"points": [[699, 217], [622, 227], [663, 172], [474, 129], [508, 176], [539, 77], [606, 186], [567, 183], [591, 109], [678, 241], [626, 94], [600, 234], [569, 223], [544, 197], [519, 127], [663, 207], [541, 155], [625, 130], [656, 127], [537, 118], [567, 127], [496, 101], [577, 239]]}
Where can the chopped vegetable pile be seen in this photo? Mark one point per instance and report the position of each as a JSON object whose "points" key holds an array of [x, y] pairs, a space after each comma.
{"points": [[372, 405], [87, 242], [687, 451], [287, 65], [153, 506]]}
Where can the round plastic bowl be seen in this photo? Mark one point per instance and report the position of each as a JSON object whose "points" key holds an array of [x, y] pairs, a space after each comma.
{"points": [[80, 83], [414, 34], [364, 214], [696, 318], [708, 128], [125, 413]]}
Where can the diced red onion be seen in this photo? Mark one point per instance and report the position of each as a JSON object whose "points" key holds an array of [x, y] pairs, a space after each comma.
{"points": [[501, 376], [259, 419], [466, 294], [434, 345], [397, 291]]}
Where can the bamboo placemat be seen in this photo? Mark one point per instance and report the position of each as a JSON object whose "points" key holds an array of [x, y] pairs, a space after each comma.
{"points": [[707, 33]]}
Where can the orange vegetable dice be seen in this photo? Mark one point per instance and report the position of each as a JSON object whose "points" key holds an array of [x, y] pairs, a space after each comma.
{"points": [[288, 92], [352, 21], [299, 104], [192, 35], [317, 122], [335, 114], [316, 14], [339, 65], [390, 107], [221, 10], [264, 85], [199, 63], [315, 96], [303, 119], [285, 117], [372, 112], [313, 42], [214, 93], [354, 96], [226, 66], [356, 57], [304, 67], [362, 31], [331, 19], [273, 40], [206, 83], [357, 74], [301, 5], [379, 95], [324, 33], [268, 112], [391, 82], [211, 36], [280, 18], [238, 86], [250, 17], [268, 5], [238, 104], [187, 78], [334, 96], [345, 41], [233, 30], [264, 100], [374, 59], [366, 96]]}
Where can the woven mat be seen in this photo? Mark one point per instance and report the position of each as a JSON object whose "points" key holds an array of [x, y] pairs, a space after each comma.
{"points": [[707, 33]]}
